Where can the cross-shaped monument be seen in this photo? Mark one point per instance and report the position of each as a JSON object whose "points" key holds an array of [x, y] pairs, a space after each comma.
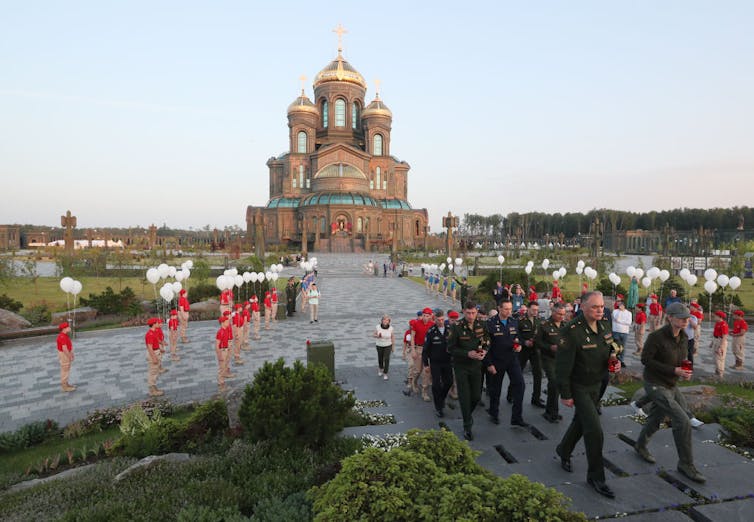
{"points": [[69, 223]]}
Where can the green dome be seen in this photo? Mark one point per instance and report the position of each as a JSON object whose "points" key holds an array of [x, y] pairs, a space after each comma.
{"points": [[395, 203], [283, 202], [338, 198]]}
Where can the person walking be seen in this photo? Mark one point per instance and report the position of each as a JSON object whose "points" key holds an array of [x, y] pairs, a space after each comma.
{"points": [[152, 341], [314, 295], [290, 297], [385, 335], [739, 339], [419, 329], [720, 342], [65, 355], [183, 314], [663, 356], [436, 361], [621, 326], [173, 325], [528, 328], [580, 364], [548, 341], [467, 343]]}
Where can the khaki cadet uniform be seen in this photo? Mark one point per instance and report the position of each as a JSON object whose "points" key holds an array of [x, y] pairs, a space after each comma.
{"points": [[580, 365], [256, 316], [173, 325], [274, 300], [549, 335], [462, 338], [183, 315], [237, 321], [154, 355], [528, 328], [739, 339], [65, 356], [720, 345], [246, 327], [222, 339]]}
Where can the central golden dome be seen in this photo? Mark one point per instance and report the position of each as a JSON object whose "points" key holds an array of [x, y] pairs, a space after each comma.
{"points": [[339, 70]]}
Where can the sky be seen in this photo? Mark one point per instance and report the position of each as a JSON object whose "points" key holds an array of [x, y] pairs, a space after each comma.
{"points": [[141, 112]]}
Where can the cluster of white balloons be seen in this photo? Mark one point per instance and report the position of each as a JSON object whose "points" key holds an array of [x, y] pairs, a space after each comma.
{"points": [[614, 278], [434, 268], [559, 273], [713, 279], [231, 278], [169, 290], [306, 266], [71, 286], [529, 266], [651, 274], [687, 276]]}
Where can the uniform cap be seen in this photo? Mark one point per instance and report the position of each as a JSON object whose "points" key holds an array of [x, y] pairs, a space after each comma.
{"points": [[653, 296], [238, 305], [678, 310], [222, 319], [453, 314], [721, 315], [619, 297], [640, 305], [226, 313], [63, 325], [151, 321], [694, 305], [739, 313], [174, 312], [182, 292], [427, 311]]}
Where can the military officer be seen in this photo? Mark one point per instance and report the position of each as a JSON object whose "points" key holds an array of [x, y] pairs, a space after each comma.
{"points": [[581, 361], [547, 342], [528, 328], [290, 296], [467, 343], [502, 357], [436, 360]]}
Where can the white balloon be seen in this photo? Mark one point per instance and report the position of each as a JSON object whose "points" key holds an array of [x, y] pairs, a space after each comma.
{"points": [[545, 263], [562, 271], [189, 264], [450, 266], [691, 279], [631, 271], [684, 273], [580, 263], [238, 280], [171, 271], [442, 266], [166, 293], [163, 270], [449, 260], [280, 265], [653, 272], [246, 277], [253, 277], [179, 275], [646, 282], [273, 268], [260, 277], [76, 288], [186, 273], [226, 272], [66, 284], [153, 275], [664, 275], [710, 274], [275, 276], [593, 273], [527, 269], [579, 270], [234, 272], [268, 275], [230, 281], [302, 264], [184, 265], [734, 282], [638, 273], [459, 261], [220, 282], [177, 287], [723, 280], [530, 263], [710, 287], [556, 275], [501, 259]]}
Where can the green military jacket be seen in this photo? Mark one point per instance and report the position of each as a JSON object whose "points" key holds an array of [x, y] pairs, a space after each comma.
{"points": [[548, 334], [528, 327], [464, 337], [582, 355]]}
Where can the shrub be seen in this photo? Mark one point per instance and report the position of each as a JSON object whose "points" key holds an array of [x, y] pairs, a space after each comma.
{"points": [[294, 405], [135, 420], [738, 425], [195, 513], [291, 508], [606, 287], [203, 291], [432, 477], [8, 303], [28, 435], [37, 314], [110, 302]]}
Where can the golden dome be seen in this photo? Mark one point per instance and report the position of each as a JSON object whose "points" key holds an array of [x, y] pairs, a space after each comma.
{"points": [[376, 108], [303, 104], [339, 70]]}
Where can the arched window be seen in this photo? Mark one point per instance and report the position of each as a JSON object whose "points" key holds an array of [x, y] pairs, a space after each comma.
{"points": [[359, 225], [377, 145], [371, 182], [384, 182], [354, 115], [325, 109], [301, 142], [322, 225], [301, 176], [378, 178], [293, 180], [340, 112]]}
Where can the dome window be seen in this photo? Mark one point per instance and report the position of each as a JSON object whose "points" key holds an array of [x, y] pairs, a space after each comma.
{"points": [[325, 109], [354, 115], [377, 146], [301, 149], [379, 174], [340, 112]]}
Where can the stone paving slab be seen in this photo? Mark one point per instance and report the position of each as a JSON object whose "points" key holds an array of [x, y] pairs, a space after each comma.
{"points": [[736, 511], [658, 516]]}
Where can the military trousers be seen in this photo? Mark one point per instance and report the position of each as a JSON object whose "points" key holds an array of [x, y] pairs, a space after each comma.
{"points": [[548, 365], [530, 353], [586, 423], [469, 382], [442, 380], [671, 403], [516, 388]]}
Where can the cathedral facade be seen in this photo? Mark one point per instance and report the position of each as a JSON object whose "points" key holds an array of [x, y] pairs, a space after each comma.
{"points": [[338, 188]]}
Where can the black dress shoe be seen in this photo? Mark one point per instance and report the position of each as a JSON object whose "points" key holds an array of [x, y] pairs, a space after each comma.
{"points": [[551, 418], [468, 435], [439, 414], [601, 488], [538, 403], [494, 419], [565, 462], [520, 423], [407, 393]]}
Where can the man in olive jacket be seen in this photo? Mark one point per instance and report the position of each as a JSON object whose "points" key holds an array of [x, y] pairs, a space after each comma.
{"points": [[662, 357]]}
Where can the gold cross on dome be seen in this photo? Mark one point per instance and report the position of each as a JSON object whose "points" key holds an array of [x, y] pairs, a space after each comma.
{"points": [[377, 83], [340, 31], [303, 83]]}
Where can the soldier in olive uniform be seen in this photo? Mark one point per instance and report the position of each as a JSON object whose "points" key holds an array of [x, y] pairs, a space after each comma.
{"points": [[547, 342], [467, 344], [528, 328], [464, 286], [580, 363]]}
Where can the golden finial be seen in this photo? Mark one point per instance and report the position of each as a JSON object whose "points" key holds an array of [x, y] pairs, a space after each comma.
{"points": [[377, 83], [340, 31], [303, 83]]}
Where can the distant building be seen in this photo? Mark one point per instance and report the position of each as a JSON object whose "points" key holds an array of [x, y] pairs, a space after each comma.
{"points": [[10, 237], [338, 188]]}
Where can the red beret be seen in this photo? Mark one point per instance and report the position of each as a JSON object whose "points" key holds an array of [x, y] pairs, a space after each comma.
{"points": [[533, 288], [453, 314], [174, 312], [619, 296], [721, 315], [640, 305], [427, 311], [222, 319], [226, 312], [63, 325], [739, 313], [239, 305], [182, 292], [653, 296], [694, 305], [151, 321]]}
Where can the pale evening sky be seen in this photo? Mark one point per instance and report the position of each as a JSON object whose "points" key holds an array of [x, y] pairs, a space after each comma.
{"points": [[132, 113]]}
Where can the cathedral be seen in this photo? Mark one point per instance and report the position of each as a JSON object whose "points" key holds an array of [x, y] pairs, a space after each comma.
{"points": [[338, 188]]}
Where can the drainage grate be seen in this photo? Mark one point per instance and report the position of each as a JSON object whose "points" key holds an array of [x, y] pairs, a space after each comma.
{"points": [[509, 458], [535, 431], [614, 469]]}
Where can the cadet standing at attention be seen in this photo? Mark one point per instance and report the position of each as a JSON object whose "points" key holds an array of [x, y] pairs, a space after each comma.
{"points": [[467, 344], [581, 362]]}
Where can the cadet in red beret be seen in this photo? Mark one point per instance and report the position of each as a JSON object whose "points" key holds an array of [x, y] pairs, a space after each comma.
{"points": [[267, 310], [274, 301], [640, 324], [65, 356], [237, 321], [222, 340], [419, 329], [183, 314], [173, 324], [655, 313], [255, 315], [720, 342], [246, 313], [152, 341], [740, 327], [556, 295]]}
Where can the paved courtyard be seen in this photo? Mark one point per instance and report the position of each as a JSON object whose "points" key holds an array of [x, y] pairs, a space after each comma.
{"points": [[110, 370]]}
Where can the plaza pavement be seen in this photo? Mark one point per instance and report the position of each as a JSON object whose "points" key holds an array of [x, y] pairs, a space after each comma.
{"points": [[110, 370]]}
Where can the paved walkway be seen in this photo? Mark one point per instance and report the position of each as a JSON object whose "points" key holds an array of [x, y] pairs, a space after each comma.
{"points": [[110, 370]]}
